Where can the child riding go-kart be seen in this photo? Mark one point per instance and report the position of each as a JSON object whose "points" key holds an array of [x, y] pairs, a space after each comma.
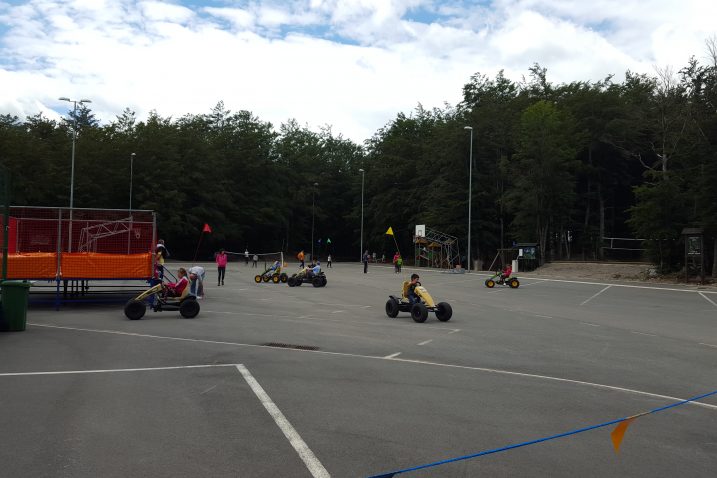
{"points": [[416, 300], [503, 277], [312, 274], [272, 274], [165, 296]]}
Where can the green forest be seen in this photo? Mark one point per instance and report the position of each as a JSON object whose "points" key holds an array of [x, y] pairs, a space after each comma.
{"points": [[564, 165]]}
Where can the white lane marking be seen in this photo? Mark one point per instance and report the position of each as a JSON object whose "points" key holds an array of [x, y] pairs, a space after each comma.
{"points": [[366, 307], [454, 331], [595, 295], [591, 325], [307, 456], [544, 316], [708, 299], [338, 311], [709, 345], [208, 390], [242, 289], [111, 370], [425, 342], [374, 357], [392, 355], [642, 333], [620, 285]]}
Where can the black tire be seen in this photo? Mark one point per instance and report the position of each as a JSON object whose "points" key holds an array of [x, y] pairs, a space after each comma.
{"points": [[189, 308], [514, 283], [419, 313], [392, 307], [444, 311], [291, 281], [265, 278], [283, 277], [317, 282], [490, 283], [135, 309], [323, 282], [257, 279], [275, 279]]}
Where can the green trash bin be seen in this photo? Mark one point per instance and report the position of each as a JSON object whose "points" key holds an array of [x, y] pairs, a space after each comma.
{"points": [[14, 305]]}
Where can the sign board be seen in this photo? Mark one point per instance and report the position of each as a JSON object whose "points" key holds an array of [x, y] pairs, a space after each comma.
{"points": [[420, 230]]}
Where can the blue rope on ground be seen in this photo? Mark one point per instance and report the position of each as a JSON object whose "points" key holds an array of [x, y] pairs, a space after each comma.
{"points": [[539, 440]]}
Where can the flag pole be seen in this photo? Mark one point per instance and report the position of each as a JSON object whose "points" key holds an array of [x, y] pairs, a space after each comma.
{"points": [[205, 229]]}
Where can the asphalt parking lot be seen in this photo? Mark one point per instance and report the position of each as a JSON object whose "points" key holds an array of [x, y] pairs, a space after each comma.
{"points": [[84, 392]]}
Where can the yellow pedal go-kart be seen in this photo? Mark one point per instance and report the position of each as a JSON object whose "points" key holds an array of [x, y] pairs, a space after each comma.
{"points": [[155, 298], [273, 274], [419, 310], [497, 279]]}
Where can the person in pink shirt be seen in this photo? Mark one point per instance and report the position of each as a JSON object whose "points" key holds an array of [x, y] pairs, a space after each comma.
{"points": [[221, 260]]}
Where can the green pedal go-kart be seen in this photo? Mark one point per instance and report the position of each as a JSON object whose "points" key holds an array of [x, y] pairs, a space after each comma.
{"points": [[155, 298], [419, 310], [496, 279]]}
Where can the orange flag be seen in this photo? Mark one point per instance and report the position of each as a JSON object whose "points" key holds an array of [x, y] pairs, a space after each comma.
{"points": [[619, 433]]}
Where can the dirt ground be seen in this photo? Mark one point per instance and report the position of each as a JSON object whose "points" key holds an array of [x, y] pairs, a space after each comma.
{"points": [[600, 271]]}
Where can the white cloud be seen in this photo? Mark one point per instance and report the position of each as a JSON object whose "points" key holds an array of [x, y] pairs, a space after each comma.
{"points": [[281, 60]]}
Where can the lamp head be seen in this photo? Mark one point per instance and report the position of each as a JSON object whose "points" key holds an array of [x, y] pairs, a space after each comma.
{"points": [[64, 98], [468, 127]]}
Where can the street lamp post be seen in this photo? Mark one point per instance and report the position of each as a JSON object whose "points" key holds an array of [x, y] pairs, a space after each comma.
{"points": [[313, 202], [72, 167], [131, 171], [362, 181], [470, 194]]}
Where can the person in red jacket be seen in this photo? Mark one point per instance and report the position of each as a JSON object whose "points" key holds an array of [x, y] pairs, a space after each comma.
{"points": [[175, 289], [507, 271]]}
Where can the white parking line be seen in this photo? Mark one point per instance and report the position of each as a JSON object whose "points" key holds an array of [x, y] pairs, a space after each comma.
{"points": [[454, 331], [307, 456], [708, 299], [591, 325], [111, 370], [709, 345], [373, 357], [425, 342], [392, 355], [544, 316], [338, 311], [642, 333], [595, 295]]}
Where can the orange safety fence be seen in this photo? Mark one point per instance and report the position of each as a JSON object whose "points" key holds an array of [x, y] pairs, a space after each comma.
{"points": [[34, 265], [94, 265]]}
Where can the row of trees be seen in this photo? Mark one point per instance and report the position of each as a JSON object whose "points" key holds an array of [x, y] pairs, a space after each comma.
{"points": [[563, 165]]}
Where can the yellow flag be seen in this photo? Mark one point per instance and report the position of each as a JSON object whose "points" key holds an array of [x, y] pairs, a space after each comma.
{"points": [[619, 433], [390, 231]]}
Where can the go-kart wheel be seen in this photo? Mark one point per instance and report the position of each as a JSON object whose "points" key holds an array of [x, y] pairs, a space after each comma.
{"points": [[265, 278], [189, 308], [419, 313], [514, 283], [291, 281], [283, 277], [257, 279], [275, 278], [317, 282], [135, 309], [490, 283], [392, 307], [323, 282], [444, 311]]}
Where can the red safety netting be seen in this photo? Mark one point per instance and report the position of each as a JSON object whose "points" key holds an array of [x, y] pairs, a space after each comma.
{"points": [[91, 243]]}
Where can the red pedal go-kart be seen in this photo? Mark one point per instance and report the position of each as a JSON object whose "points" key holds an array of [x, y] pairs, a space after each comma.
{"points": [[156, 299]]}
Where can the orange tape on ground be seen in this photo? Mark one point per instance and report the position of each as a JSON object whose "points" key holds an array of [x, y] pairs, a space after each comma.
{"points": [[93, 265]]}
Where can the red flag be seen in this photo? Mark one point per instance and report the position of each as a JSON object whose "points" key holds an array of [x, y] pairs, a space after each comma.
{"points": [[207, 228]]}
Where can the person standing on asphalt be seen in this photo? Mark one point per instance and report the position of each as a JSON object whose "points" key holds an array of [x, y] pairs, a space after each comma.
{"points": [[246, 256], [221, 260], [328, 261], [366, 258], [255, 261]]}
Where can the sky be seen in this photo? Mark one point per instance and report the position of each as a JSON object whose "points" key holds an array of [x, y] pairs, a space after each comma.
{"points": [[352, 65]]}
